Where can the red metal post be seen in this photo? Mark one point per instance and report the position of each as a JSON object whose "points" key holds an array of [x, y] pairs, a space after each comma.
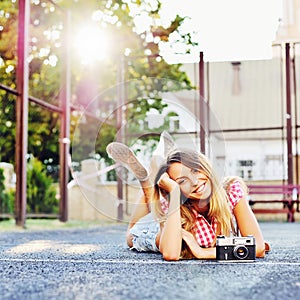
{"points": [[65, 125], [202, 104], [289, 137], [22, 111], [120, 132], [294, 81]]}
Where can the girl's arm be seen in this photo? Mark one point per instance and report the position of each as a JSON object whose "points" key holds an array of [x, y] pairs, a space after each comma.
{"points": [[198, 252], [248, 225], [171, 235]]}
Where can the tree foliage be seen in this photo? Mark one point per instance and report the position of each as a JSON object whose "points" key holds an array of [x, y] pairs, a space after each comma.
{"points": [[41, 193], [136, 51], [6, 196]]}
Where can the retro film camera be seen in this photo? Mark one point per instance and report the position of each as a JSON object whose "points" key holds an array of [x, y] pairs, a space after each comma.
{"points": [[237, 249]]}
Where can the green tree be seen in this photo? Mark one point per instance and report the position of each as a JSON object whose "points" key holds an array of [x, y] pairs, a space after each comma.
{"points": [[44, 83], [41, 193], [6, 197], [142, 61]]}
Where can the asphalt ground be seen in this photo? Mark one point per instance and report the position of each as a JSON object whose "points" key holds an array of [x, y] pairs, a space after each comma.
{"points": [[95, 263]]}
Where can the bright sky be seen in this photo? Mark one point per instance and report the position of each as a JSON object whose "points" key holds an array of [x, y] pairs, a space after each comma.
{"points": [[228, 30]]}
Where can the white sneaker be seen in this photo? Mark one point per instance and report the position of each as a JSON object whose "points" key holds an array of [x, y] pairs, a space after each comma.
{"points": [[169, 144], [125, 156]]}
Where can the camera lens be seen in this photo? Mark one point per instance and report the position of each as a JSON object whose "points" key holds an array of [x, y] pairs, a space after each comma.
{"points": [[240, 252]]}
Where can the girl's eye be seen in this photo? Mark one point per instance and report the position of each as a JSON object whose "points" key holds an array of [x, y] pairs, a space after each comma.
{"points": [[181, 181], [194, 171]]}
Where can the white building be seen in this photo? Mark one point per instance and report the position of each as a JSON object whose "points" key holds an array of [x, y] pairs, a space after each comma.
{"points": [[246, 130], [246, 100]]}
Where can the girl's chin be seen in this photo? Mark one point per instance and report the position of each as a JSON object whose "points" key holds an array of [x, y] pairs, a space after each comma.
{"points": [[202, 196]]}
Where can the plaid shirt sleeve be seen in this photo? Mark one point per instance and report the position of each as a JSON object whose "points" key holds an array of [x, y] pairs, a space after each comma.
{"points": [[235, 194], [164, 205]]}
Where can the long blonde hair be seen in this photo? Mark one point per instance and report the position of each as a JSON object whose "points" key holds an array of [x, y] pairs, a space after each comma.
{"points": [[219, 208]]}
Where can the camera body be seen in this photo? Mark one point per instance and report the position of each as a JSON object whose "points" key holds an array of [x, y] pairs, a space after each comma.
{"points": [[237, 249]]}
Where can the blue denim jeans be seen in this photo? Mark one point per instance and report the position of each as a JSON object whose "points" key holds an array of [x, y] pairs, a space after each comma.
{"points": [[144, 234]]}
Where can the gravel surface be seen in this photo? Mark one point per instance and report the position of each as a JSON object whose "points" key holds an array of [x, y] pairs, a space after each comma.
{"points": [[95, 263]]}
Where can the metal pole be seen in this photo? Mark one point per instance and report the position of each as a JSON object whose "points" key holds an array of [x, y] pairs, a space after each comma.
{"points": [[120, 131], [202, 104], [295, 115], [65, 125], [22, 111], [289, 114]]}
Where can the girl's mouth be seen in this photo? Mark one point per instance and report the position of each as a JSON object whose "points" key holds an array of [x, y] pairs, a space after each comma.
{"points": [[200, 188]]}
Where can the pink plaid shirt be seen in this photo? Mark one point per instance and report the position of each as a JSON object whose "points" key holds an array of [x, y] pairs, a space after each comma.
{"points": [[204, 232]]}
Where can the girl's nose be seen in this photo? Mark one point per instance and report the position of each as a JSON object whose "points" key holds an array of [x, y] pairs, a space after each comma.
{"points": [[194, 179]]}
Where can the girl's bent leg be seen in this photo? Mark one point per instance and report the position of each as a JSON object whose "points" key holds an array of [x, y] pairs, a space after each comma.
{"points": [[140, 209], [144, 235]]}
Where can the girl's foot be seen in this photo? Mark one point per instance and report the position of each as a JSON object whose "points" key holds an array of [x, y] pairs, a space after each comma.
{"points": [[124, 155], [169, 143]]}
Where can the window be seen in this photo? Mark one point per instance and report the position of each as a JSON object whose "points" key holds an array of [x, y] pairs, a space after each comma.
{"points": [[245, 169]]}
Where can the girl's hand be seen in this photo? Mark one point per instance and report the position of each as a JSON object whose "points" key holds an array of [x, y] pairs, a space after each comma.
{"points": [[197, 251], [191, 242], [166, 183]]}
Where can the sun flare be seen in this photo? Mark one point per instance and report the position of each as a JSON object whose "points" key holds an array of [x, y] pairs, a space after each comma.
{"points": [[91, 44]]}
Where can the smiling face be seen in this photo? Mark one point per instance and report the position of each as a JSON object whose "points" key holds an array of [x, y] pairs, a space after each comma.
{"points": [[193, 184]]}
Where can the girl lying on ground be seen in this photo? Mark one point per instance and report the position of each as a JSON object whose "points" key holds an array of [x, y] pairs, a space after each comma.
{"points": [[190, 207]]}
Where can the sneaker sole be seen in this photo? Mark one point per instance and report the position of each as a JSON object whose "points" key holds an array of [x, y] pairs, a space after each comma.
{"points": [[123, 155]]}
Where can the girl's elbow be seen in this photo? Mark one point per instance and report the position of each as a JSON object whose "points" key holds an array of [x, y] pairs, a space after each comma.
{"points": [[260, 251], [170, 257]]}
